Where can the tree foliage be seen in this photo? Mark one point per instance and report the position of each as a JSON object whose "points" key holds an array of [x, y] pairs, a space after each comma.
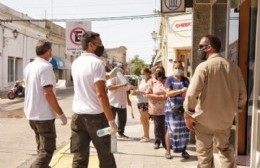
{"points": [[136, 65]]}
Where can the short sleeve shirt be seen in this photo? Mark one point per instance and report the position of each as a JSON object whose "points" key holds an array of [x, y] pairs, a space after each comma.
{"points": [[156, 107], [38, 74], [86, 70], [174, 84], [142, 87], [118, 97]]}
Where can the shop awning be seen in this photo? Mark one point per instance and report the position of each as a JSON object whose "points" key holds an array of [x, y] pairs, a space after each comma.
{"points": [[60, 63]]}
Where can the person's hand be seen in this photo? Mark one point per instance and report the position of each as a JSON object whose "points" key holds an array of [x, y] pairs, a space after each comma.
{"points": [[129, 103], [131, 87], [123, 85], [189, 121], [63, 119], [148, 96], [113, 127], [184, 89]]}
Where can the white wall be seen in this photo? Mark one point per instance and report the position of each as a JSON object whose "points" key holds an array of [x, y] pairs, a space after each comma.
{"points": [[179, 36], [23, 46]]}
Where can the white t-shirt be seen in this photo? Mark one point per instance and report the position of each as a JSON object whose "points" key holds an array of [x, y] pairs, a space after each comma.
{"points": [[86, 70], [142, 87], [38, 74], [118, 97]]}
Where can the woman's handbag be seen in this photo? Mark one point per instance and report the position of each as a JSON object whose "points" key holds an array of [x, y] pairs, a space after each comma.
{"points": [[178, 109]]}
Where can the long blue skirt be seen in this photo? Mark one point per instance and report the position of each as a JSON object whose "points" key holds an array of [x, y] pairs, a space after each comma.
{"points": [[179, 133]]}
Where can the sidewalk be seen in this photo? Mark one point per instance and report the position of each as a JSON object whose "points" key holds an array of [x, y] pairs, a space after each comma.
{"points": [[131, 153]]}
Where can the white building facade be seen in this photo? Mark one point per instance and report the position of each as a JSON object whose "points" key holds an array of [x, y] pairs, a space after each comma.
{"points": [[18, 38], [175, 42]]}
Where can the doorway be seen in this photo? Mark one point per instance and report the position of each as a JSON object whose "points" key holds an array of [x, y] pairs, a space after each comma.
{"points": [[183, 56]]}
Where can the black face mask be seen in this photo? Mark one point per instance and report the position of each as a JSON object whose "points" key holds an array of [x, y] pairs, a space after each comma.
{"points": [[159, 74], [99, 51], [202, 55]]}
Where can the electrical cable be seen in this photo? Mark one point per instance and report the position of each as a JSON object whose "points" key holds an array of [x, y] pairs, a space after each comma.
{"points": [[82, 19]]}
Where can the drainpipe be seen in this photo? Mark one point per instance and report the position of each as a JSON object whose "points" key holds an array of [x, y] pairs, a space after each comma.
{"points": [[1, 55]]}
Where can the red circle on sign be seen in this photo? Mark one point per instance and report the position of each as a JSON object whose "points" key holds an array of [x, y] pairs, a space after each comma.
{"points": [[75, 35]]}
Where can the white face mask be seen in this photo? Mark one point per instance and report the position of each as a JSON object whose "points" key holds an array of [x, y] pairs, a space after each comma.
{"points": [[50, 59], [143, 77], [177, 72]]}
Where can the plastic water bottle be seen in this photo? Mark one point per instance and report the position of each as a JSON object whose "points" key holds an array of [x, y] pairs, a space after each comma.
{"points": [[103, 132], [113, 143], [121, 77]]}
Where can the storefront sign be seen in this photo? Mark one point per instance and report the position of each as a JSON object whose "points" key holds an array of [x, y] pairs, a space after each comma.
{"points": [[172, 6], [184, 25]]}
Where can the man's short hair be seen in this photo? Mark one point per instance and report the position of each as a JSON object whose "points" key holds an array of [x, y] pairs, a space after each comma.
{"points": [[87, 37], [42, 47], [214, 42]]}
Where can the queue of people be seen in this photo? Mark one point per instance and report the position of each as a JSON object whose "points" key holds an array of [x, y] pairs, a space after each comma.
{"points": [[206, 105]]}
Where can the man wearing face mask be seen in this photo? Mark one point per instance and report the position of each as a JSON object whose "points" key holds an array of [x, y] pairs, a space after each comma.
{"points": [[40, 103], [216, 92], [118, 99], [90, 105]]}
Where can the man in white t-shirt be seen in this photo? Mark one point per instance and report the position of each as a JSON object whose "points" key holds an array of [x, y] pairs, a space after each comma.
{"points": [[118, 99], [40, 103], [90, 105]]}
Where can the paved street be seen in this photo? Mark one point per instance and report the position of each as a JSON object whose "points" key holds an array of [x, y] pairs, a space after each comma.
{"points": [[17, 139]]}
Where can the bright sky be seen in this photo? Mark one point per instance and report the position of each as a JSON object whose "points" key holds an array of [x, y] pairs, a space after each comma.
{"points": [[133, 34]]}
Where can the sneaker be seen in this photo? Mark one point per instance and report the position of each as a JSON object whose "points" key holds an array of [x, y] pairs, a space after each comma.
{"points": [[185, 155], [144, 140], [167, 156], [123, 136]]}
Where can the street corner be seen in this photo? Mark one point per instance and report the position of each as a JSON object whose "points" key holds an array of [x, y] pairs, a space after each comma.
{"points": [[63, 159]]}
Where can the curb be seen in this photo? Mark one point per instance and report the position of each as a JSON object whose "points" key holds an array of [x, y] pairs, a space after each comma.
{"points": [[63, 159]]}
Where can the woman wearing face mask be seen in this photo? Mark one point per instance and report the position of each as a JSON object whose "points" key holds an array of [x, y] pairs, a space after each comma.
{"points": [[156, 100], [177, 134], [142, 103]]}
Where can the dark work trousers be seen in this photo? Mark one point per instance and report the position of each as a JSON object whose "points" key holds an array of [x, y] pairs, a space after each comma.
{"points": [[45, 134], [84, 130], [121, 118], [159, 129]]}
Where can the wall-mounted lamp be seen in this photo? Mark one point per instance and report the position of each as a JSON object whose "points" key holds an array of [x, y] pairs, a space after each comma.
{"points": [[154, 35], [6, 39], [15, 33]]}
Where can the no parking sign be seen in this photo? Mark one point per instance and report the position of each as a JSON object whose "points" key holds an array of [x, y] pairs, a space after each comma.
{"points": [[74, 32]]}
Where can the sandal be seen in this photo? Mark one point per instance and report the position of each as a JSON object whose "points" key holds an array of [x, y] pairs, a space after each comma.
{"points": [[185, 155], [144, 140], [167, 156]]}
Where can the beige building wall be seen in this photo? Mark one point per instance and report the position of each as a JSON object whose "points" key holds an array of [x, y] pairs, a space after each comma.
{"points": [[115, 56]]}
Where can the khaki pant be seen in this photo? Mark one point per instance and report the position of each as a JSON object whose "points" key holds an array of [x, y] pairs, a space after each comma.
{"points": [[204, 147], [45, 135], [84, 130]]}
